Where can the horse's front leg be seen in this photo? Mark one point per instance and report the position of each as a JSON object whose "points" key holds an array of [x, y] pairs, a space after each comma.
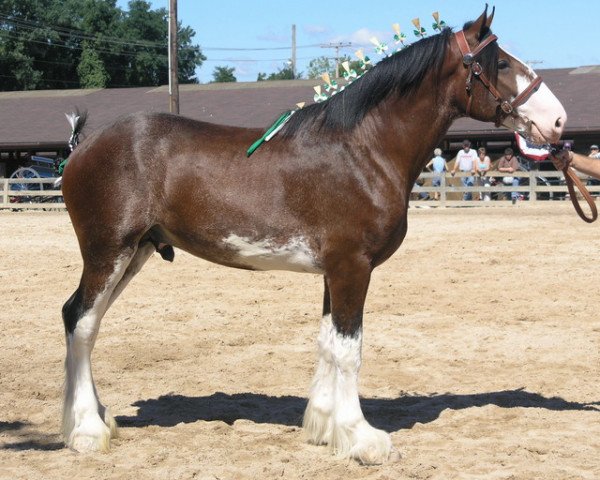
{"points": [[334, 394]]}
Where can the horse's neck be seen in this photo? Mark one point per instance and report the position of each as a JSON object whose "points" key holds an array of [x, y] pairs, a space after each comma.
{"points": [[407, 129]]}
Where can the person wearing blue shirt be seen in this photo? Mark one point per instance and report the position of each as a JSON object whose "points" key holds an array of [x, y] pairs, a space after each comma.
{"points": [[438, 166]]}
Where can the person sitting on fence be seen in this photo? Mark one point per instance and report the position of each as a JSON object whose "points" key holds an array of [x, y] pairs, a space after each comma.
{"points": [[482, 166], [465, 162], [509, 164], [438, 166]]}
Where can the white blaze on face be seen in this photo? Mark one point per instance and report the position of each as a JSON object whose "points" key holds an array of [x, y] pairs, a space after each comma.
{"points": [[542, 108], [265, 254]]}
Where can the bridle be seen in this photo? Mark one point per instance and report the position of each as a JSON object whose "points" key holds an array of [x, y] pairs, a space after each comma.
{"points": [[506, 108]]}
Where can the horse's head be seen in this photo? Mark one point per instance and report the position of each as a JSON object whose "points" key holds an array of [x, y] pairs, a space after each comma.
{"points": [[496, 86]]}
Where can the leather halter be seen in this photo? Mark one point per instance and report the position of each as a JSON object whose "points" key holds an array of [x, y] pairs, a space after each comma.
{"points": [[506, 108]]}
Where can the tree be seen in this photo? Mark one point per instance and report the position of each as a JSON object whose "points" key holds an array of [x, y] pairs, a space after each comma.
{"points": [[320, 65], [73, 43], [284, 73], [91, 70], [224, 74]]}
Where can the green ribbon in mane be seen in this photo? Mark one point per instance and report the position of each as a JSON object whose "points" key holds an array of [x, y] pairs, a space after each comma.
{"points": [[271, 131]]}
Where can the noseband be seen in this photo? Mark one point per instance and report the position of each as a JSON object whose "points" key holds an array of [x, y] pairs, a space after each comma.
{"points": [[476, 70]]}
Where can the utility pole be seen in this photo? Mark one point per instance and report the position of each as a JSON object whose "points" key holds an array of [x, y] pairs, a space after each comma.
{"points": [[294, 51], [337, 47], [173, 81]]}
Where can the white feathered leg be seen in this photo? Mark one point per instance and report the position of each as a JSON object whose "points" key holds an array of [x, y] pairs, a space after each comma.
{"points": [[318, 417], [352, 435], [87, 424]]}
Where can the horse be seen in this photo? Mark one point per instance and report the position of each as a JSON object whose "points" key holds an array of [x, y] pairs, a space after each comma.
{"points": [[327, 195]]}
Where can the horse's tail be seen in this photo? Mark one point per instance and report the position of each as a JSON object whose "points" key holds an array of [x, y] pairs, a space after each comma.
{"points": [[77, 121]]}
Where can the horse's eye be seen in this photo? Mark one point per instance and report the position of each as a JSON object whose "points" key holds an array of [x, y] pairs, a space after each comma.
{"points": [[502, 64]]}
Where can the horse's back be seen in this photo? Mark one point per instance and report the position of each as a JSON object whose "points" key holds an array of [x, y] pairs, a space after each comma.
{"points": [[126, 177]]}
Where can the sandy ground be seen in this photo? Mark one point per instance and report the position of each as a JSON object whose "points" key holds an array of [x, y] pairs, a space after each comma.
{"points": [[481, 356]]}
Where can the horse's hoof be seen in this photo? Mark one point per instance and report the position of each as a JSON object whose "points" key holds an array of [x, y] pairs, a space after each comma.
{"points": [[362, 442], [91, 437]]}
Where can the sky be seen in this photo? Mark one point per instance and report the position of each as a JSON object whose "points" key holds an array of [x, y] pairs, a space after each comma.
{"points": [[548, 34]]}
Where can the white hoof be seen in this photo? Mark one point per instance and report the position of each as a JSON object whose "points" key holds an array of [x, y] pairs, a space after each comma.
{"points": [[91, 436], [317, 425], [364, 443]]}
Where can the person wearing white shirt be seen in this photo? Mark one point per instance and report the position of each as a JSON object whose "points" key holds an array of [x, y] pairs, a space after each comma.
{"points": [[465, 162]]}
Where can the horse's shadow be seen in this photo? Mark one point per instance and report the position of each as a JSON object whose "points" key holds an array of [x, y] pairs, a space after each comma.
{"points": [[30, 439], [388, 414]]}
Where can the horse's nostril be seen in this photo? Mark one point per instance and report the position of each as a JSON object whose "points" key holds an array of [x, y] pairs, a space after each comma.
{"points": [[558, 123]]}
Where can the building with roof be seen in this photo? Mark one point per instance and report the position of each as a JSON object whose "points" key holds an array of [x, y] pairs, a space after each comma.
{"points": [[33, 122]]}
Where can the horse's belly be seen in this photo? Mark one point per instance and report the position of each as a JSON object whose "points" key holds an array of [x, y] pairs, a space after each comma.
{"points": [[267, 254]]}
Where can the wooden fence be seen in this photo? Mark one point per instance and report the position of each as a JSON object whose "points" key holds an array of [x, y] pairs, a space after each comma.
{"points": [[17, 194], [534, 186], [30, 193]]}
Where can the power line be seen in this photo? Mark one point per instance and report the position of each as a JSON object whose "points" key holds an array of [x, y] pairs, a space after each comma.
{"points": [[31, 25], [63, 44]]}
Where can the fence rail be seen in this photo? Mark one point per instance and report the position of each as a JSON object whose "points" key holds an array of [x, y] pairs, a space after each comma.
{"points": [[534, 186], [30, 193]]}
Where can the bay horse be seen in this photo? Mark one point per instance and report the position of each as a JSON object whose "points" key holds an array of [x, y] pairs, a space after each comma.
{"points": [[328, 195]]}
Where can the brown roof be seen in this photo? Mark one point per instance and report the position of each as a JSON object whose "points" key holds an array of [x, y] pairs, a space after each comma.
{"points": [[37, 117]]}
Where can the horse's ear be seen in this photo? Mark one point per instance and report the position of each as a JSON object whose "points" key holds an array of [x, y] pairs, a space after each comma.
{"points": [[488, 22], [477, 29]]}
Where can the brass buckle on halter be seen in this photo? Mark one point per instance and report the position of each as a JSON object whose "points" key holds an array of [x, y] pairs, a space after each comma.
{"points": [[506, 107]]}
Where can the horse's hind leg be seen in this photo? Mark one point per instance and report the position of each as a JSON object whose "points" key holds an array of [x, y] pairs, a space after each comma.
{"points": [[87, 424], [143, 253], [334, 396]]}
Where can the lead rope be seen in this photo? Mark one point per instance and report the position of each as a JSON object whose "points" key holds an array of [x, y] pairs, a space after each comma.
{"points": [[573, 180]]}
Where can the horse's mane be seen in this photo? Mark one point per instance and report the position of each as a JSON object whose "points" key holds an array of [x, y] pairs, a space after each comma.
{"points": [[400, 73]]}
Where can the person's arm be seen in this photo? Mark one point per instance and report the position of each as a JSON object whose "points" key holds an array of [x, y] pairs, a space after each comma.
{"points": [[428, 166], [502, 167], [488, 164], [589, 166], [455, 165]]}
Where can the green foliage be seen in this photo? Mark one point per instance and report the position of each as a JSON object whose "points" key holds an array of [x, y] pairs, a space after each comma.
{"points": [[89, 43], [320, 65], [91, 71], [224, 74], [284, 73]]}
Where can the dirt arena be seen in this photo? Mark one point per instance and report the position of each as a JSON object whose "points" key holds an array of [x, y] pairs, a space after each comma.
{"points": [[481, 356]]}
